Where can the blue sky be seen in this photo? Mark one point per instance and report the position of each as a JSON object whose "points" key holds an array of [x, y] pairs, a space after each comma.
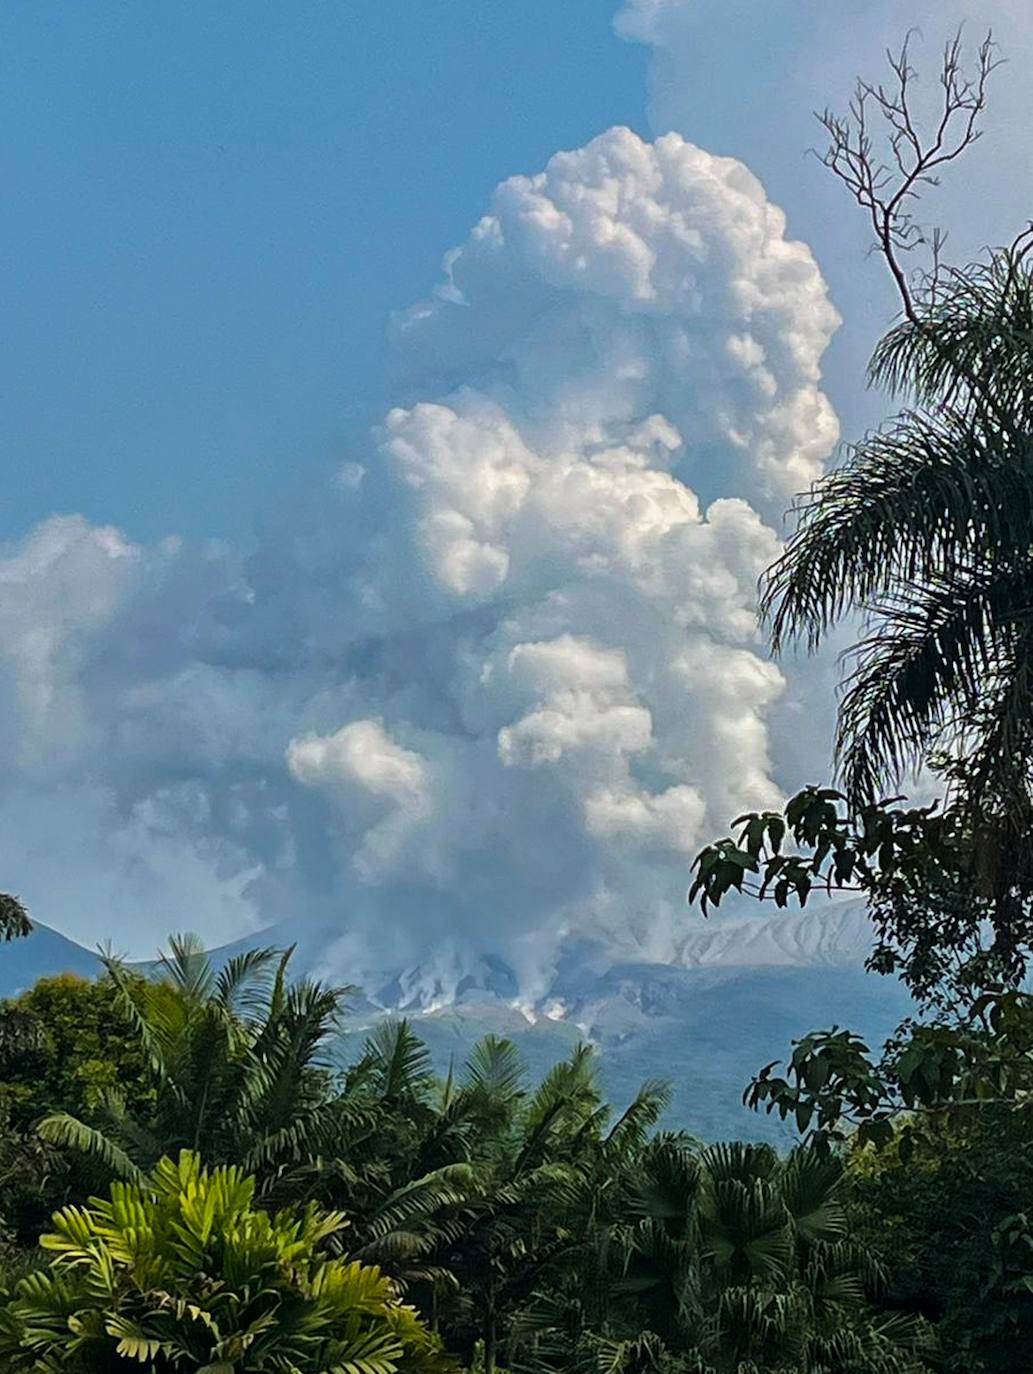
{"points": [[341, 583], [212, 209]]}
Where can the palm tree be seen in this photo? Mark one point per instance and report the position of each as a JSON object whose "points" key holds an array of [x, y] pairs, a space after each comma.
{"points": [[927, 531], [474, 1192], [399, 1158], [447, 1184], [236, 1056], [552, 1169]]}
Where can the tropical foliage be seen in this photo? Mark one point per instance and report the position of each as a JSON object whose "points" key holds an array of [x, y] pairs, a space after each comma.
{"points": [[530, 1227], [921, 870], [924, 531], [182, 1272], [65, 1041], [64, 1044], [948, 1218], [478, 1187], [733, 1259], [233, 1066]]}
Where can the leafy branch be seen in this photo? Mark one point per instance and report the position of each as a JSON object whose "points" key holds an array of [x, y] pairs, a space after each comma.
{"points": [[845, 849], [933, 878], [832, 1087], [14, 919]]}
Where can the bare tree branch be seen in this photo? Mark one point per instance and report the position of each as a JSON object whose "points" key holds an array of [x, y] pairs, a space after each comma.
{"points": [[881, 153]]}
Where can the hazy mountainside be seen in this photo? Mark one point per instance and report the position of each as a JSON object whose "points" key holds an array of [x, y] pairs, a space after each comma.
{"points": [[41, 954], [705, 1033], [739, 993]]}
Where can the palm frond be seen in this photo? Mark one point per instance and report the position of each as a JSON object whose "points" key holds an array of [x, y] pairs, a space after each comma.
{"points": [[187, 967], [973, 338], [62, 1129], [908, 503], [629, 1131], [931, 661], [242, 984], [496, 1067], [399, 1060]]}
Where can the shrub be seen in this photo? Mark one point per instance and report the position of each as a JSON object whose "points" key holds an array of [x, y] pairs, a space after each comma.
{"points": [[183, 1273]]}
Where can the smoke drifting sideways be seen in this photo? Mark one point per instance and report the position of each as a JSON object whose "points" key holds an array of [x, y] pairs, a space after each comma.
{"points": [[495, 691]]}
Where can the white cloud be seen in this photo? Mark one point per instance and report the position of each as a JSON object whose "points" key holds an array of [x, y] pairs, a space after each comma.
{"points": [[373, 782], [361, 756], [670, 819], [62, 584], [584, 705], [501, 686], [631, 279]]}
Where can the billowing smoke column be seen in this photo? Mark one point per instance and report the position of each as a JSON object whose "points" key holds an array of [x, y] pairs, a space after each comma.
{"points": [[501, 688]]}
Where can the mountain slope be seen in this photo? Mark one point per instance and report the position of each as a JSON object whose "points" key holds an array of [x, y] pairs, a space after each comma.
{"points": [[41, 955]]}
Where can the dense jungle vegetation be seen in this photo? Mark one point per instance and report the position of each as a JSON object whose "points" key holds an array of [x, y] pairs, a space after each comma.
{"points": [[189, 1182]]}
